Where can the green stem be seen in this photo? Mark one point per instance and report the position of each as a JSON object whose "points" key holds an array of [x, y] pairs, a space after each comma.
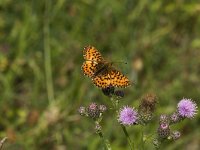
{"points": [[106, 143], [127, 136], [142, 139], [115, 105], [47, 54]]}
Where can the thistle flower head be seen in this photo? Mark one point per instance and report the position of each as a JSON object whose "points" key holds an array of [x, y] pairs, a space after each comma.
{"points": [[147, 108], [93, 110], [164, 119], [148, 102], [127, 115], [175, 118], [187, 108], [163, 130]]}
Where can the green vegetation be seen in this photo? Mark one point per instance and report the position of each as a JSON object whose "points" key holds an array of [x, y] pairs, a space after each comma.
{"points": [[42, 86]]}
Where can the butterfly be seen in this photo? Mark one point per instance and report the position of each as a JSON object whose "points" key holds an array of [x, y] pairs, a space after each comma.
{"points": [[102, 73]]}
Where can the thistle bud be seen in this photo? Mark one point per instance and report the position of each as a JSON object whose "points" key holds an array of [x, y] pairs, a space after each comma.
{"points": [[163, 131], [82, 111], [93, 111], [175, 118], [102, 108], [175, 135]]}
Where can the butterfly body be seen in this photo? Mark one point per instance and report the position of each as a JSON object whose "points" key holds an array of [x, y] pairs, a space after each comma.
{"points": [[102, 73]]}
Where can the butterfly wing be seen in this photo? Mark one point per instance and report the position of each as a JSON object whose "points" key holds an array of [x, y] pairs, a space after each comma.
{"points": [[111, 78], [102, 80], [117, 79], [89, 68], [92, 54]]}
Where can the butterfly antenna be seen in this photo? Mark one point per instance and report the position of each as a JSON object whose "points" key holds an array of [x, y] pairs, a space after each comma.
{"points": [[123, 62]]}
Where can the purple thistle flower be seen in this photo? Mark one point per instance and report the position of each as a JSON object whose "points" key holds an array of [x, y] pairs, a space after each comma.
{"points": [[164, 126], [128, 115], [187, 108]]}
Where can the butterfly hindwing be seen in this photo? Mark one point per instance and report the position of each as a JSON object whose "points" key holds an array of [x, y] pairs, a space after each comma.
{"points": [[111, 78], [102, 80], [117, 79]]}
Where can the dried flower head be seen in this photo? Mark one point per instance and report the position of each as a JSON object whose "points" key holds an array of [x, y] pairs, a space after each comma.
{"points": [[147, 108], [187, 108], [127, 115], [148, 102]]}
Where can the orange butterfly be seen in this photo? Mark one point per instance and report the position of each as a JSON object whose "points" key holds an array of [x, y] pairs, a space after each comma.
{"points": [[100, 71]]}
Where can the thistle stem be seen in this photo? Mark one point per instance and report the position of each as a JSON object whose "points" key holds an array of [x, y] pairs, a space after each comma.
{"points": [[47, 54], [105, 142], [142, 139], [115, 105]]}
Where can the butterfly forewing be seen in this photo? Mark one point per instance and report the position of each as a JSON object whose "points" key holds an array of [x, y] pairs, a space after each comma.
{"points": [[89, 68], [92, 54]]}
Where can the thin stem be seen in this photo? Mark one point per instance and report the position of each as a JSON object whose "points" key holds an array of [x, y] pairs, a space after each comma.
{"points": [[142, 139], [127, 136], [115, 105], [106, 143], [47, 54]]}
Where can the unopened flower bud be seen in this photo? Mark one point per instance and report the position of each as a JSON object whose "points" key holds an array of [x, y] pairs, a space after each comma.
{"points": [[102, 108], [82, 111], [93, 110], [175, 135]]}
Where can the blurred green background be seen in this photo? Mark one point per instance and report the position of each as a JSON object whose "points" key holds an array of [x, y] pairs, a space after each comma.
{"points": [[42, 86]]}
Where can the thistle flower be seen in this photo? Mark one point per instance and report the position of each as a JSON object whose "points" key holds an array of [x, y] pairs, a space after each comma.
{"points": [[128, 115], [93, 110], [187, 108], [163, 130]]}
